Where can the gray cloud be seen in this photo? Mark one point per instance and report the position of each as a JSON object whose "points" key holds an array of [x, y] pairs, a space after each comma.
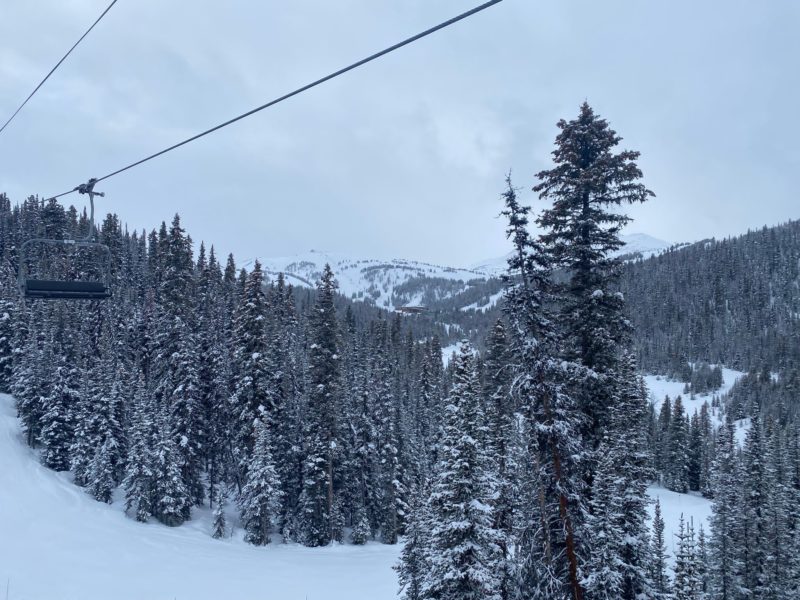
{"points": [[406, 156]]}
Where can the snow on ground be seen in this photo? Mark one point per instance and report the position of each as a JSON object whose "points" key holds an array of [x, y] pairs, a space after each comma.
{"points": [[361, 278], [56, 543], [660, 387], [493, 299], [449, 351], [694, 508]]}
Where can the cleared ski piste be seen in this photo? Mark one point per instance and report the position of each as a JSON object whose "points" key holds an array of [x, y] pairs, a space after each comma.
{"points": [[57, 543]]}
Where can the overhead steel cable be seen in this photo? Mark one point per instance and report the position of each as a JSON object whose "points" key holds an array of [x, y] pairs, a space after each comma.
{"points": [[299, 90], [58, 64]]}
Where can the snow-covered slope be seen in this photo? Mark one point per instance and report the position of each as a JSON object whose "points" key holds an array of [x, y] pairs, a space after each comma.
{"points": [[371, 280], [641, 243], [694, 508], [661, 388], [58, 543], [635, 243], [399, 282]]}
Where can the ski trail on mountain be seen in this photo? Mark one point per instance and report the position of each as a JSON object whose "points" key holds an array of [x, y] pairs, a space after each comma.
{"points": [[56, 543]]}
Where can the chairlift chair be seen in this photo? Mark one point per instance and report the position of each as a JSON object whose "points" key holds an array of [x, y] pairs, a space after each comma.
{"points": [[51, 289]]}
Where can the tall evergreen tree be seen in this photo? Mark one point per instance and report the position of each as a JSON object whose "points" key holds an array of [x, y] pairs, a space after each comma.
{"points": [[413, 565], [588, 182], [251, 399], [56, 436], [658, 553], [464, 551], [550, 548], [725, 567], [260, 498], [139, 476], [316, 502], [677, 465]]}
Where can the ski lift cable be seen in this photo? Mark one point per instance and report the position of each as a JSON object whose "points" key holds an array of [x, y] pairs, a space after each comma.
{"points": [[58, 64], [300, 90]]}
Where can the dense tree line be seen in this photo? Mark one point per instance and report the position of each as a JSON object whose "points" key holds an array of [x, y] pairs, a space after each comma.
{"points": [[199, 382], [733, 302]]}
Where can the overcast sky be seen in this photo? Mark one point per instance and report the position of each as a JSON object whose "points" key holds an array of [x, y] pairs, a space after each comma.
{"points": [[406, 156]]}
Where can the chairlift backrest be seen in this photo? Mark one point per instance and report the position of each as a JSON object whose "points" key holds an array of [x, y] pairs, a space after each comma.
{"points": [[59, 289], [62, 289]]}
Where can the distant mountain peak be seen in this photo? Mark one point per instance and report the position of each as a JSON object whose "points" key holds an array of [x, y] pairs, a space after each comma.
{"points": [[390, 283], [635, 243]]}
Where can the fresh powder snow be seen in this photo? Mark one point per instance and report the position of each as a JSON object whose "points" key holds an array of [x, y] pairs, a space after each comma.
{"points": [[91, 550], [56, 542]]}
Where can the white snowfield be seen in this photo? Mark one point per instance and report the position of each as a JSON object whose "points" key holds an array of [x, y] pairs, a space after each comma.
{"points": [[660, 388], [362, 278], [694, 508], [57, 543]]}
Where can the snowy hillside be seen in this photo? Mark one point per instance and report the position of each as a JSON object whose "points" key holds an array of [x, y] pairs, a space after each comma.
{"points": [[384, 283], [90, 550], [56, 542], [661, 388], [635, 243], [399, 282]]}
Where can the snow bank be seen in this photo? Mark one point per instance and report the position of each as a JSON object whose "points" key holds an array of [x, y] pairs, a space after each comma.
{"points": [[58, 543]]}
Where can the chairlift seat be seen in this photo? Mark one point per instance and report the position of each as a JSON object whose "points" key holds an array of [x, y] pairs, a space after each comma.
{"points": [[66, 290]]}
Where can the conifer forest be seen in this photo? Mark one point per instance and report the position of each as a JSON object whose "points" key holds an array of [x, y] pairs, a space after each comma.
{"points": [[542, 430]]}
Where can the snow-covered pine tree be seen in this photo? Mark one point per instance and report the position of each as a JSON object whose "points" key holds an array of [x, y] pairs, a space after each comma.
{"points": [[725, 566], [139, 476], [550, 548], [685, 585], [186, 415], [707, 451], [694, 453], [463, 548], [677, 465], [658, 557], [8, 309], [251, 399], [502, 430], [8, 324], [171, 498], [701, 564], [412, 568], [779, 499], [581, 233], [219, 527], [603, 567], [752, 508], [661, 445], [385, 404], [289, 434], [30, 374], [213, 372], [618, 565], [259, 501], [101, 473], [56, 421], [587, 184], [316, 500]]}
